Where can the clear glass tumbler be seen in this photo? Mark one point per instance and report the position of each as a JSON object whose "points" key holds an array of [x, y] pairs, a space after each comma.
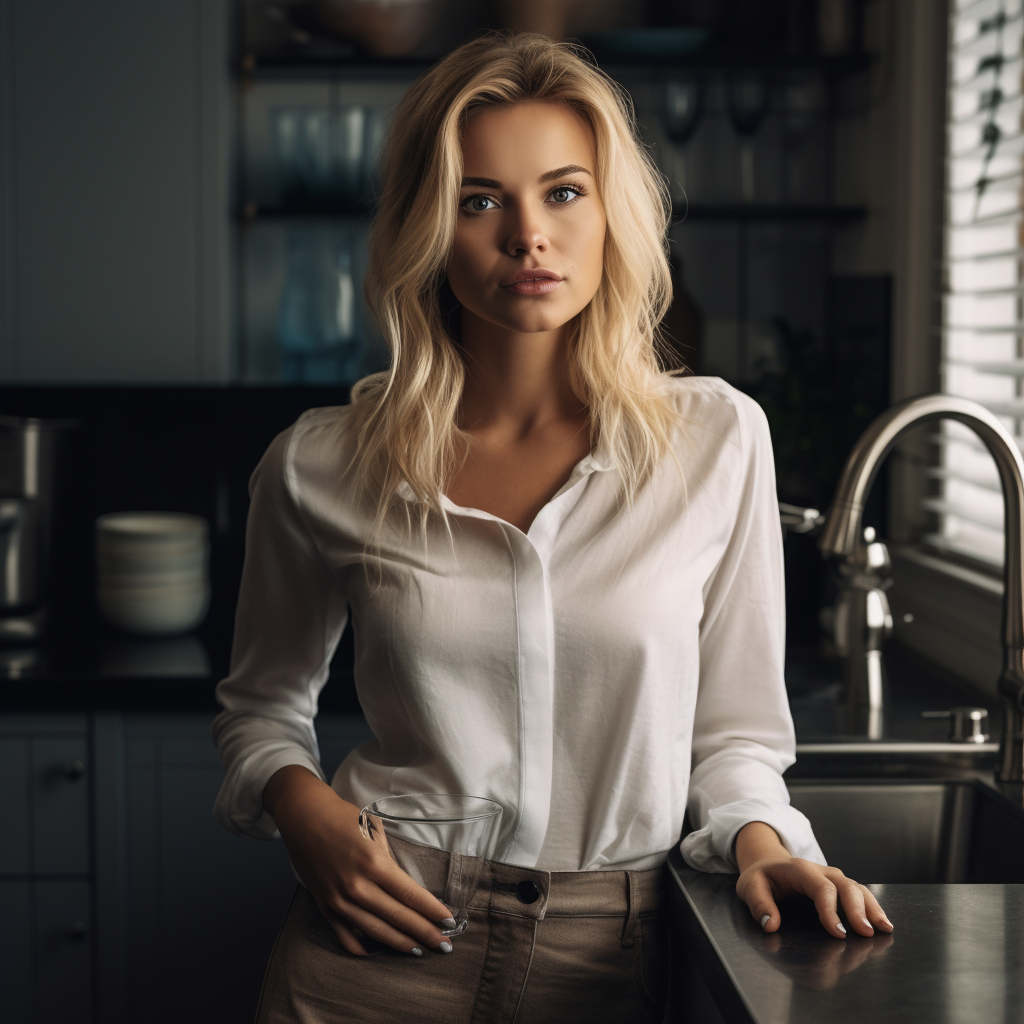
{"points": [[439, 839]]}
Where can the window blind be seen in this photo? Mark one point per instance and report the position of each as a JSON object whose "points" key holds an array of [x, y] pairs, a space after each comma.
{"points": [[983, 304]]}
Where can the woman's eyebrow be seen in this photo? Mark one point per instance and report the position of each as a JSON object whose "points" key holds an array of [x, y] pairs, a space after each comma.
{"points": [[547, 176]]}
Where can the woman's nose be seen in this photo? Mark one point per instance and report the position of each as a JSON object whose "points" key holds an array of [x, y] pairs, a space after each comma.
{"points": [[525, 232]]}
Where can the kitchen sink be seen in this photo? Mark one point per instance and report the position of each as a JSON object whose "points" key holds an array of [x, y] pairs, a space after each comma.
{"points": [[939, 830]]}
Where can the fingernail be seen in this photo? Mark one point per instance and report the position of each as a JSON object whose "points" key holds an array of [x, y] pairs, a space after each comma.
{"points": [[868, 923], [445, 947], [839, 925], [765, 920], [888, 922], [416, 952], [448, 922]]}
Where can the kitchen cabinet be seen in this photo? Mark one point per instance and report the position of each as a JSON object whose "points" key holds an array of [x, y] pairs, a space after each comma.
{"points": [[46, 925], [121, 899]]}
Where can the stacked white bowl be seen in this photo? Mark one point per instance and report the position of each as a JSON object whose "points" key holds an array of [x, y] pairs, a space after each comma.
{"points": [[153, 571]]}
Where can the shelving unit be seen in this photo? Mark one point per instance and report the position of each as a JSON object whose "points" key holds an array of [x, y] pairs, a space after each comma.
{"points": [[263, 221]]}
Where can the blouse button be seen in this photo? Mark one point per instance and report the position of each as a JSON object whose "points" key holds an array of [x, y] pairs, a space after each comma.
{"points": [[527, 892]]}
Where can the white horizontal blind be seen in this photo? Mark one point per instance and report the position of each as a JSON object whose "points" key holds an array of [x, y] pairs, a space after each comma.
{"points": [[983, 319]]}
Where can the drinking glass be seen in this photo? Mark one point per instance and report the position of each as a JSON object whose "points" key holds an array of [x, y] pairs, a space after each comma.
{"points": [[440, 840], [320, 329], [302, 142], [324, 154], [747, 102], [682, 109]]}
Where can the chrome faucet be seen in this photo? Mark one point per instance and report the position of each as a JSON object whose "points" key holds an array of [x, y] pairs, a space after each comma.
{"points": [[843, 535]]}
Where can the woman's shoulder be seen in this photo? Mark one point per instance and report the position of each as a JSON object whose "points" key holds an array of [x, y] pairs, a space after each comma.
{"points": [[318, 445], [711, 404]]}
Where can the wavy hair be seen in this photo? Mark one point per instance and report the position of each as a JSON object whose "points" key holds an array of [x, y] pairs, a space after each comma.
{"points": [[406, 415]]}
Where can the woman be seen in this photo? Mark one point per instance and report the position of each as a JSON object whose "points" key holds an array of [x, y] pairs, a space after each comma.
{"points": [[564, 574]]}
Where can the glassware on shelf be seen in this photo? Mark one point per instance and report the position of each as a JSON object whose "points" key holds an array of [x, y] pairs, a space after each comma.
{"points": [[747, 102], [321, 337], [302, 146], [681, 113], [325, 155]]}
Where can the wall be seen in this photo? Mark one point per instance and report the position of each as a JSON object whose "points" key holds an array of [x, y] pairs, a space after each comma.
{"points": [[114, 235]]}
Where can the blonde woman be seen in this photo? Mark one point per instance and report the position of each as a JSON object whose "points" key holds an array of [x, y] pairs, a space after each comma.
{"points": [[563, 569]]}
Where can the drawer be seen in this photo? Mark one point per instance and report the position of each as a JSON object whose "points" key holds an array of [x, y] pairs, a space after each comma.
{"points": [[45, 951], [60, 805], [44, 805]]}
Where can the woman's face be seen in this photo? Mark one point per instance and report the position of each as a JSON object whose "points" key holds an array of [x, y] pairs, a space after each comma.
{"points": [[529, 201]]}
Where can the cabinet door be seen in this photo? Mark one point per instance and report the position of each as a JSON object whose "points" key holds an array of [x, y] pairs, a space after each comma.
{"points": [[16, 950], [60, 812], [63, 952], [14, 806]]}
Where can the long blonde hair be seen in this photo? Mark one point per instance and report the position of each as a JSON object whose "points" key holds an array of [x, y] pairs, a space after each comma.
{"points": [[406, 415]]}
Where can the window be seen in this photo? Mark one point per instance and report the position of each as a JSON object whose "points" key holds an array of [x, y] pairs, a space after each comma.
{"points": [[983, 316]]}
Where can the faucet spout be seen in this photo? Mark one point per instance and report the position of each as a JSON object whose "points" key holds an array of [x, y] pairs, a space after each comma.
{"points": [[843, 529]]}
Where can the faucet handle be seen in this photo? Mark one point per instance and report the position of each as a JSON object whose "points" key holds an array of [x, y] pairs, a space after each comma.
{"points": [[966, 724], [800, 519]]}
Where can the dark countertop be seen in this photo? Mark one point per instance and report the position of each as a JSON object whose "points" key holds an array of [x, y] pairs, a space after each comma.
{"points": [[84, 664], [955, 955]]}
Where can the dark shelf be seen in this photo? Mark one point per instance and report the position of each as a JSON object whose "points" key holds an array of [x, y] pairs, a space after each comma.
{"points": [[317, 65], [702, 212], [768, 212]]}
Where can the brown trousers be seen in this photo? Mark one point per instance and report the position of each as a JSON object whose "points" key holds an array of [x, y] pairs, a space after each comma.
{"points": [[588, 947]]}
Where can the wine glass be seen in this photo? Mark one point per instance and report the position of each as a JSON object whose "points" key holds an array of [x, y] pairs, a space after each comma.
{"points": [[747, 103], [681, 113]]}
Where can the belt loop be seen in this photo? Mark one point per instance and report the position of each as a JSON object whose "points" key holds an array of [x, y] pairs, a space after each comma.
{"points": [[633, 917]]}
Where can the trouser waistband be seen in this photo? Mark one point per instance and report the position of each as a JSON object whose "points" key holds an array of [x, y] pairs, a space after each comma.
{"points": [[533, 893]]}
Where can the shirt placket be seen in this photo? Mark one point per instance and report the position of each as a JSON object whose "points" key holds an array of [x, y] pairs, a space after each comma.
{"points": [[530, 554]]}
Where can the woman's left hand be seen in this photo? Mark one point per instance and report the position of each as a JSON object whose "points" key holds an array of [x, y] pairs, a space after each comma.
{"points": [[768, 873]]}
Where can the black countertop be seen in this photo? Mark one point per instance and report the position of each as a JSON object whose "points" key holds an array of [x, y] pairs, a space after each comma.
{"points": [[955, 956], [84, 664]]}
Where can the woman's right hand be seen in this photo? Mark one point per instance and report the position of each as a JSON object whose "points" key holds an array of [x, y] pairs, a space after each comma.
{"points": [[354, 882]]}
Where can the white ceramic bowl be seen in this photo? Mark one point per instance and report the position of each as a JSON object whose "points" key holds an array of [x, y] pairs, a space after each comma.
{"points": [[143, 559], [151, 528], [155, 611]]}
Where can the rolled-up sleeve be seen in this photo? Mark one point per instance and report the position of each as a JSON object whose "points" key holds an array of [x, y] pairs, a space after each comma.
{"points": [[743, 737], [289, 619]]}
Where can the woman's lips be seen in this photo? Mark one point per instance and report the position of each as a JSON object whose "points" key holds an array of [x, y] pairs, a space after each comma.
{"points": [[541, 286]]}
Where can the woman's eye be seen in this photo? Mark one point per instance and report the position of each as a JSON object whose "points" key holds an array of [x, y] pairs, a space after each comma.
{"points": [[571, 189], [477, 199]]}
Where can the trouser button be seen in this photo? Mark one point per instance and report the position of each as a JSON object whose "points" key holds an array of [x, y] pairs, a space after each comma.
{"points": [[527, 891]]}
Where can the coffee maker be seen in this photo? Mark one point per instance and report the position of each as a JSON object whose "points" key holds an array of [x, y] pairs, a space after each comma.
{"points": [[31, 453]]}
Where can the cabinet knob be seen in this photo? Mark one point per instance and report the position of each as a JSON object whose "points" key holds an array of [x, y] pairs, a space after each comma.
{"points": [[74, 770], [75, 931]]}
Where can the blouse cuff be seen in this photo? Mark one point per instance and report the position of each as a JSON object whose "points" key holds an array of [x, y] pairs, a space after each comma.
{"points": [[239, 804], [712, 847]]}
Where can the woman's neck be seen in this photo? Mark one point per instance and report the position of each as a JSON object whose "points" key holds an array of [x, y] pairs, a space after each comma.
{"points": [[516, 383]]}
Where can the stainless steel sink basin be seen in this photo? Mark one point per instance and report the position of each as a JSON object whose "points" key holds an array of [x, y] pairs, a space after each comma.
{"points": [[887, 830]]}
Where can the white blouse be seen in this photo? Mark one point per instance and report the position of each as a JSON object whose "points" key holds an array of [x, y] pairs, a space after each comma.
{"points": [[597, 675]]}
